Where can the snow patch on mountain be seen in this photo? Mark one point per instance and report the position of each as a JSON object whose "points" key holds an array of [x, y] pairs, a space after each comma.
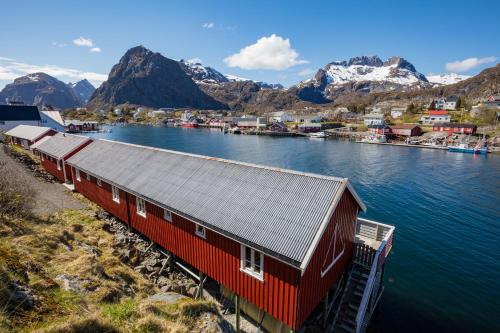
{"points": [[447, 78]]}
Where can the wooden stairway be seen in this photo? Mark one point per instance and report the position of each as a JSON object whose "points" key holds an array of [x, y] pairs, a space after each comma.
{"points": [[346, 317]]}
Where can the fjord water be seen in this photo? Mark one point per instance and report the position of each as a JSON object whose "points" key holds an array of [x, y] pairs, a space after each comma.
{"points": [[444, 271]]}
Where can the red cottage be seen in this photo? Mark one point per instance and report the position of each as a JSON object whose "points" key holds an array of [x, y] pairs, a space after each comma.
{"points": [[26, 135], [277, 242], [55, 150], [406, 130], [455, 128]]}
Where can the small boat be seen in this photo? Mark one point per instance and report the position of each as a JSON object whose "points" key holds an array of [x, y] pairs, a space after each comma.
{"points": [[466, 148], [318, 135], [235, 130], [189, 124], [374, 139]]}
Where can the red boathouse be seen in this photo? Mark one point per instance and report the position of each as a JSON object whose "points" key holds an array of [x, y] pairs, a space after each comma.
{"points": [[55, 150], [278, 239], [26, 135], [455, 128]]}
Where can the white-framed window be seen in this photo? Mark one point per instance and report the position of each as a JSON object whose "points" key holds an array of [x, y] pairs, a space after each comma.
{"points": [[200, 231], [99, 182], [43, 156], [77, 175], [252, 262], [116, 194], [167, 215], [58, 164], [88, 176], [141, 206]]}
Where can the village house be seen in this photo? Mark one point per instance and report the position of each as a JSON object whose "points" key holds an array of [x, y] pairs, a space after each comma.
{"points": [[13, 115], [379, 129], [455, 128], [55, 150], [279, 117], [307, 119], [374, 119], [451, 103], [397, 112], [278, 127], [440, 103], [406, 130], [309, 127], [493, 101], [225, 220], [77, 126], [252, 122], [435, 116], [26, 135]]}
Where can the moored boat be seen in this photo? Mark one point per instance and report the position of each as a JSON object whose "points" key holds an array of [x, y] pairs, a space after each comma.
{"points": [[318, 135], [374, 139], [466, 148]]}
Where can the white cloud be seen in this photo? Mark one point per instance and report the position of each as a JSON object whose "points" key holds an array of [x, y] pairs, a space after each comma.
{"points": [[273, 52], [95, 50], [10, 69], [82, 41], [469, 63], [208, 25], [306, 72]]}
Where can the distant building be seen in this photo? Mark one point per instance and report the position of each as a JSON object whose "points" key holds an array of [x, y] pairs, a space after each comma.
{"points": [[374, 119], [307, 119], [13, 115], [493, 101], [309, 127], [435, 116], [76, 126], [255, 122], [156, 113], [451, 103], [397, 112], [440, 103], [278, 127], [379, 129], [280, 117], [406, 130], [455, 128]]}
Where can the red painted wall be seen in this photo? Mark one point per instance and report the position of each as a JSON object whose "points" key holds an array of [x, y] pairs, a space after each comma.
{"points": [[313, 287], [50, 164]]}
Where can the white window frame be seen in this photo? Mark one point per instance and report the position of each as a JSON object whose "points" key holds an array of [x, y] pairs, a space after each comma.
{"points": [[99, 182], [167, 215], [140, 203], [43, 159], [252, 269], [115, 191], [58, 162], [88, 176], [77, 175], [200, 231]]}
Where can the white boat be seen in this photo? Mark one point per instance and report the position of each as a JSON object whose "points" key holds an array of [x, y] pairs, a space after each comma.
{"points": [[374, 139], [318, 135]]}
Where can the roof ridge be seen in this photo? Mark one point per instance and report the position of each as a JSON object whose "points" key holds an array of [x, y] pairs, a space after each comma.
{"points": [[219, 159]]}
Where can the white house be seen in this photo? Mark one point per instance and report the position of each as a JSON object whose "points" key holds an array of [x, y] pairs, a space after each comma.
{"points": [[435, 119], [374, 119], [52, 119], [156, 113], [439, 103], [307, 119], [280, 117], [252, 122], [451, 103], [13, 115], [397, 112]]}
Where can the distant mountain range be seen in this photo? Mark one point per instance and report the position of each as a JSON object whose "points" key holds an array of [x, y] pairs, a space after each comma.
{"points": [[146, 78], [42, 89]]}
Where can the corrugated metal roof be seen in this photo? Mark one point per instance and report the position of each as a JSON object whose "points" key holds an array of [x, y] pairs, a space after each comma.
{"points": [[28, 132], [61, 144], [277, 211]]}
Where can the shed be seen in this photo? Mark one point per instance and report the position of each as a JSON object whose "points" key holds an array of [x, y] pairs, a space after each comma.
{"points": [[406, 130], [279, 239], [455, 128], [55, 150], [26, 135]]}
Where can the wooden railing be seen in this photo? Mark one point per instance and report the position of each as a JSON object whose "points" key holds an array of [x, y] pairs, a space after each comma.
{"points": [[385, 234]]}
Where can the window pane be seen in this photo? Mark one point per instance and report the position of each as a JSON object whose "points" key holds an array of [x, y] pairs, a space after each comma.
{"points": [[248, 257], [256, 266]]}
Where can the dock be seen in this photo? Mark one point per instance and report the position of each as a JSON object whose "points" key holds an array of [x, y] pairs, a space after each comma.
{"points": [[404, 145]]}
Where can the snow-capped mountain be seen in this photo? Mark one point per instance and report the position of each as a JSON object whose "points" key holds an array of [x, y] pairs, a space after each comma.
{"points": [[83, 89], [448, 78], [363, 75]]}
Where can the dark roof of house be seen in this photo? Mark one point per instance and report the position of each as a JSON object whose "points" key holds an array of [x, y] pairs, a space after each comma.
{"points": [[280, 212], [456, 125], [19, 112]]}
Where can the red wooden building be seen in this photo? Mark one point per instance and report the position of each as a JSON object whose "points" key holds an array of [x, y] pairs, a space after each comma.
{"points": [[406, 130], [277, 239], [26, 135], [455, 128], [380, 129], [438, 112], [55, 150]]}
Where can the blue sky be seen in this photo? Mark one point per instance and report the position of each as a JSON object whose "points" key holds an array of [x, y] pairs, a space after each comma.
{"points": [[295, 37]]}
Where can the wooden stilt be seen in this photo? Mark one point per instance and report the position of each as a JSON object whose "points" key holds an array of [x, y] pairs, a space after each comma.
{"points": [[200, 286], [325, 311], [237, 310]]}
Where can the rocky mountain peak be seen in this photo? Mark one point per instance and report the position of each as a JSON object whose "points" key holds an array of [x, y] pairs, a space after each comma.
{"points": [[373, 61]]}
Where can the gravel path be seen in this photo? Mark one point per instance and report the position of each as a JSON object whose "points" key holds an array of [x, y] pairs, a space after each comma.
{"points": [[49, 197]]}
